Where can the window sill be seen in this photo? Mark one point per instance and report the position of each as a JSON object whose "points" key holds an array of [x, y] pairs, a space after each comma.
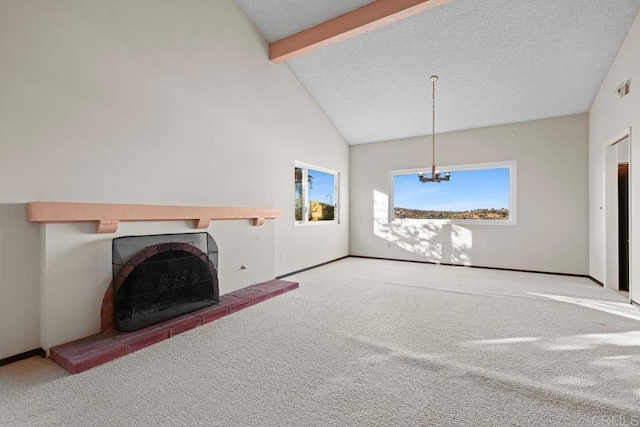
{"points": [[315, 223]]}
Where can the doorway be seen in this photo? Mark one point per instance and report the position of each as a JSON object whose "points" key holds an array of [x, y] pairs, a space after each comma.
{"points": [[617, 206], [623, 226]]}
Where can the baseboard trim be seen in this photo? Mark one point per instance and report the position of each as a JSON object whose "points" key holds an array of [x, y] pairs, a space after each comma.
{"points": [[27, 354], [310, 268], [585, 276], [476, 266], [593, 279]]}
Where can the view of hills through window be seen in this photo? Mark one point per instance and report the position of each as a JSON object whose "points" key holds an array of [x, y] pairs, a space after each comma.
{"points": [[478, 194]]}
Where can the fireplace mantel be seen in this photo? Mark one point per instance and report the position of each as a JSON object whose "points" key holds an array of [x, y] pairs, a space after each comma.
{"points": [[108, 216]]}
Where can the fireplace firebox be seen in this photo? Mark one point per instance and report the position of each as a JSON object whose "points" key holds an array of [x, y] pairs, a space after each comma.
{"points": [[156, 278]]}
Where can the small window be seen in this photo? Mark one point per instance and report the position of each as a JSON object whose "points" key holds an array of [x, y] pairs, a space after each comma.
{"points": [[475, 194], [316, 191]]}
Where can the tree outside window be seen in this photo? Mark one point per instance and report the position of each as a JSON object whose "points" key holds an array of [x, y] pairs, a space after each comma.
{"points": [[315, 194]]}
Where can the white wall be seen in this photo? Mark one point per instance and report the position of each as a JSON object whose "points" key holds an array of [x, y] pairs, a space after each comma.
{"points": [[609, 117], [19, 279], [551, 234], [152, 102]]}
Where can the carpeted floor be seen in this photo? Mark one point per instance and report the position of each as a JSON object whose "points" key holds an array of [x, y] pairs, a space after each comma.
{"points": [[371, 343]]}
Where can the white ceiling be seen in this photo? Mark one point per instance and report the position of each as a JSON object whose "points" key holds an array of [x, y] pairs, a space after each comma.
{"points": [[499, 61]]}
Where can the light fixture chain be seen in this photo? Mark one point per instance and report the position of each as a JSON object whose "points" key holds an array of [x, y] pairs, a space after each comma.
{"points": [[433, 124], [435, 176]]}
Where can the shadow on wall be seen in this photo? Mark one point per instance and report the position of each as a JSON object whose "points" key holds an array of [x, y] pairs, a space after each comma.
{"points": [[448, 243]]}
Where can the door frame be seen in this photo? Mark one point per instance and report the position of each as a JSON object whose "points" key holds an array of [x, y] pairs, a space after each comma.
{"points": [[610, 199]]}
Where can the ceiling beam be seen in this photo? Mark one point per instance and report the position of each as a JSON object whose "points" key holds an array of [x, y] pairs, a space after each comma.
{"points": [[367, 18]]}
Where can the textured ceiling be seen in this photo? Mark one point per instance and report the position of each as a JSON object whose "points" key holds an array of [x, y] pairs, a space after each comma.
{"points": [[499, 61], [277, 19]]}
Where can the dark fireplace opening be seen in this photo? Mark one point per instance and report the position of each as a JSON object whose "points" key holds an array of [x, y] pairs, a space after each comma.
{"points": [[156, 278]]}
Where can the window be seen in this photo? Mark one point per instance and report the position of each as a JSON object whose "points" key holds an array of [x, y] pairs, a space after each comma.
{"points": [[476, 194], [316, 191]]}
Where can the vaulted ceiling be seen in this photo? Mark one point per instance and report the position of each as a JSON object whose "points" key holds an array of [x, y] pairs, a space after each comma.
{"points": [[499, 61]]}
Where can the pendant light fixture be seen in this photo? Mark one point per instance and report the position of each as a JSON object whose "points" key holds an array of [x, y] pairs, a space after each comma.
{"points": [[435, 175]]}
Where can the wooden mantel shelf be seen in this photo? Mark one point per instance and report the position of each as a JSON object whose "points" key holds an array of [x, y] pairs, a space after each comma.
{"points": [[108, 216]]}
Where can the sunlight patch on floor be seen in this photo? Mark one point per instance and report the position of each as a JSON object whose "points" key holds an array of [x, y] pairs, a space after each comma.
{"points": [[515, 340], [581, 342], [618, 308], [575, 381]]}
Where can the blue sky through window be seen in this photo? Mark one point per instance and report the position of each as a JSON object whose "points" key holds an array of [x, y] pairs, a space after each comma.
{"points": [[467, 190], [322, 188]]}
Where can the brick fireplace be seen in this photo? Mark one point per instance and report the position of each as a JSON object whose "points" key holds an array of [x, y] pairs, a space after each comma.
{"points": [[156, 278], [162, 285], [77, 275]]}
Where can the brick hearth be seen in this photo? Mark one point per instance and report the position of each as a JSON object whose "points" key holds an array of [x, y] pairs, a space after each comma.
{"points": [[86, 353]]}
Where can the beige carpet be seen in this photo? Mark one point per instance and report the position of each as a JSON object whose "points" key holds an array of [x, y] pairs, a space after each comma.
{"points": [[371, 343]]}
